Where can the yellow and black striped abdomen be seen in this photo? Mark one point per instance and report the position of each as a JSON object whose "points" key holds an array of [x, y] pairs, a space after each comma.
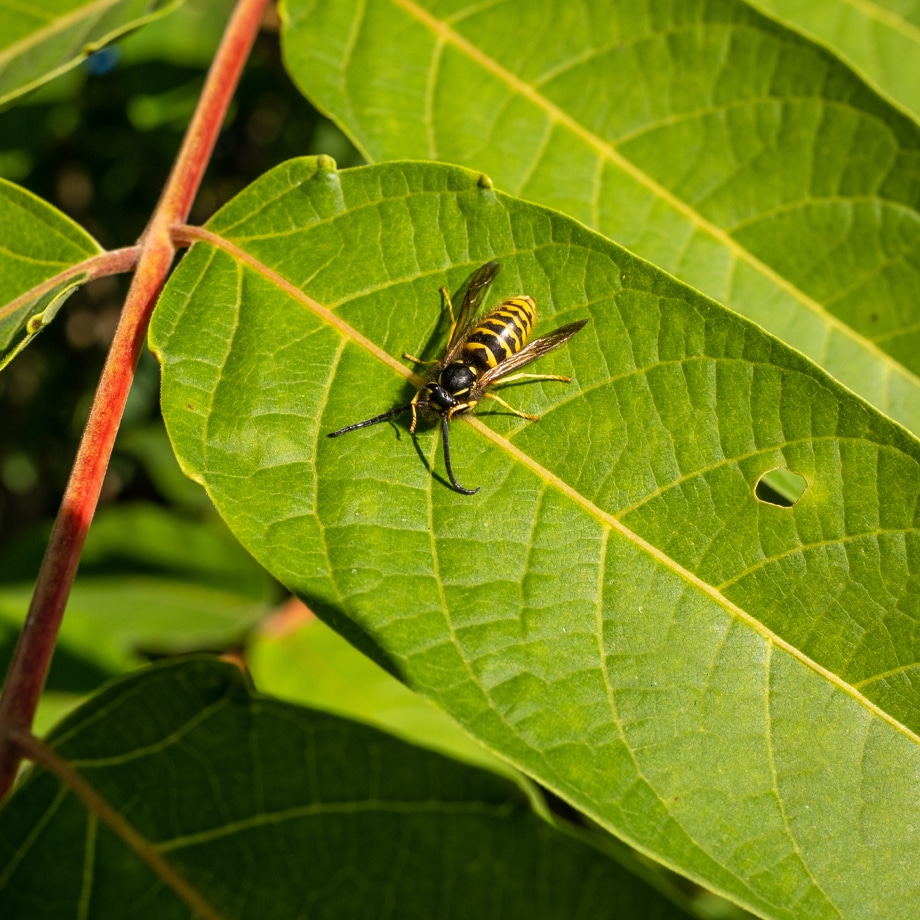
{"points": [[500, 334]]}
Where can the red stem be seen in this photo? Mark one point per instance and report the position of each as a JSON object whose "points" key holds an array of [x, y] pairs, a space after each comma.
{"points": [[32, 657]]}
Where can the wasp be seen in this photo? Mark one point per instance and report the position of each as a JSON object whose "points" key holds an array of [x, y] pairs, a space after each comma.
{"points": [[478, 356]]}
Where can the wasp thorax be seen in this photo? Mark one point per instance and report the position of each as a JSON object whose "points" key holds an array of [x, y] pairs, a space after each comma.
{"points": [[457, 378]]}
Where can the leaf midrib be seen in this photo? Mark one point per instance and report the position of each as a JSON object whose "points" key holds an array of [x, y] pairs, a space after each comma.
{"points": [[886, 17]]}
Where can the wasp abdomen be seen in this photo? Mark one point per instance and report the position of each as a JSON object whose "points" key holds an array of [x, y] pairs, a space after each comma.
{"points": [[502, 333]]}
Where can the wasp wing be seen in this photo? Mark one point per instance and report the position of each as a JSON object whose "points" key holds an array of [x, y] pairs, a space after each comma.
{"points": [[472, 300], [536, 349]]}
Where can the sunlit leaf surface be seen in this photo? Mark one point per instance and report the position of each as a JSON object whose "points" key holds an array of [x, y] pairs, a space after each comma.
{"points": [[705, 137], [880, 38]]}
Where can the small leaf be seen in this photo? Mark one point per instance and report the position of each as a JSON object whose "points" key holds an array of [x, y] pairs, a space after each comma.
{"points": [[726, 684], [303, 813], [53, 300], [43, 40], [37, 242]]}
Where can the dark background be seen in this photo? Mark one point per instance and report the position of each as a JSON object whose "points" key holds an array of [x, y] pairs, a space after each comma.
{"points": [[98, 143]]}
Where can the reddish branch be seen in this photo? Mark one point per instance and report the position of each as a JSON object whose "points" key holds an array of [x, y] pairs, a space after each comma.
{"points": [[32, 658], [100, 266]]}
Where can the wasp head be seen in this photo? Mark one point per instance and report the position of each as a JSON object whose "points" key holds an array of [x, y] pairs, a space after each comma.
{"points": [[438, 398]]}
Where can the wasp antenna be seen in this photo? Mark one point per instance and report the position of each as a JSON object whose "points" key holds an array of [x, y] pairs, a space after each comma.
{"points": [[450, 472], [371, 421]]}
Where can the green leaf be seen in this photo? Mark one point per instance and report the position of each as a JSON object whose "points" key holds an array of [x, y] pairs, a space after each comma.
{"points": [[314, 666], [726, 684], [728, 150], [882, 40], [303, 812], [153, 582], [144, 539], [43, 40], [37, 242], [50, 302]]}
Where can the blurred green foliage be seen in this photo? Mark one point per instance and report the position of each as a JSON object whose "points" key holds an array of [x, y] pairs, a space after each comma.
{"points": [[99, 143]]}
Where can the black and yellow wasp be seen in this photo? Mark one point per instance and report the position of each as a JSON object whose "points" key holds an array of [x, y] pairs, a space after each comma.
{"points": [[478, 357]]}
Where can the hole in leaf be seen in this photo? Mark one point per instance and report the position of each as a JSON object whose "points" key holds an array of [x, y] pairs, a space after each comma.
{"points": [[780, 487]]}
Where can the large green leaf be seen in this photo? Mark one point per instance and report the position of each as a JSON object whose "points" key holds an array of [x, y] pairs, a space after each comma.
{"points": [[268, 810], [37, 242], [724, 148], [41, 40], [727, 684], [881, 39]]}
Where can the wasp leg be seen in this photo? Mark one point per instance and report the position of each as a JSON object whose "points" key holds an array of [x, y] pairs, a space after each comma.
{"points": [[505, 380], [445, 425], [460, 407], [412, 406], [409, 357], [498, 399], [453, 322]]}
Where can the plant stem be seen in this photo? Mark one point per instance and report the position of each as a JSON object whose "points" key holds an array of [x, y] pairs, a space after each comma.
{"points": [[39, 753], [32, 657], [102, 265]]}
